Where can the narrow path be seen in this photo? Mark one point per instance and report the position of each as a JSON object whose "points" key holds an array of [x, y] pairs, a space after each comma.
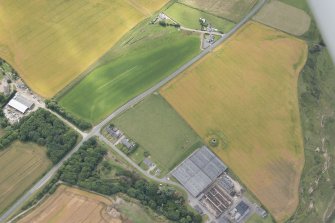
{"points": [[96, 130], [202, 32]]}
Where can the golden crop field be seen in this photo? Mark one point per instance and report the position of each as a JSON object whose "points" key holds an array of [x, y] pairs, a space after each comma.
{"points": [[21, 165], [50, 43], [245, 95], [72, 205]]}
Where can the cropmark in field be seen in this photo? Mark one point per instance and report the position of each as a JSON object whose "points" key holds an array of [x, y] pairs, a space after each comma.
{"points": [[21, 164], [284, 17], [244, 94], [143, 57], [50, 43]]}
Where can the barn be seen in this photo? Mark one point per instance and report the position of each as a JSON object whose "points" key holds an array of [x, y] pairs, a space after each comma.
{"points": [[20, 103]]}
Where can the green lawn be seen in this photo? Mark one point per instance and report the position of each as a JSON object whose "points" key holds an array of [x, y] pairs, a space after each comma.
{"points": [[189, 17], [159, 130], [137, 214], [257, 219], [146, 55]]}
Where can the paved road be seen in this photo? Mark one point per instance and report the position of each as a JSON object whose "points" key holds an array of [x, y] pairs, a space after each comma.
{"points": [[96, 130]]}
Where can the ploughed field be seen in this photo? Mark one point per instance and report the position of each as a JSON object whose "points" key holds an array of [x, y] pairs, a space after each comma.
{"points": [[244, 95], [20, 166], [142, 58], [50, 43]]}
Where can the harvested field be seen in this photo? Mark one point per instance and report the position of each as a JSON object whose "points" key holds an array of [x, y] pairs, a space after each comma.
{"points": [[233, 10], [50, 43], [21, 165], [284, 17], [69, 204], [73, 205], [159, 130], [244, 94]]}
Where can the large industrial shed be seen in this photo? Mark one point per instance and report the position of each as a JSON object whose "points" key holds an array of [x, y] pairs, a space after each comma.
{"points": [[20, 103], [199, 170]]}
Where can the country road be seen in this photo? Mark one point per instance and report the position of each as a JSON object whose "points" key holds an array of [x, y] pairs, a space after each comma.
{"points": [[96, 130]]}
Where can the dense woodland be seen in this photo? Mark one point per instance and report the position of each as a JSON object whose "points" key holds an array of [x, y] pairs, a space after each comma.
{"points": [[82, 170], [81, 124], [45, 129]]}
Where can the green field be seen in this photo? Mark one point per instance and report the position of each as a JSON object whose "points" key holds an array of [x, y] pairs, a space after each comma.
{"points": [[316, 91], [21, 165], [257, 219], [142, 58], [189, 17], [137, 213], [159, 130]]}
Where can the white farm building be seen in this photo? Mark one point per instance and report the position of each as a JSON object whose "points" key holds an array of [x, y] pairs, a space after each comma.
{"points": [[20, 103]]}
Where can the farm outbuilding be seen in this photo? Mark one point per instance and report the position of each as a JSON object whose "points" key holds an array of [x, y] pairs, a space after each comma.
{"points": [[199, 170], [20, 103]]}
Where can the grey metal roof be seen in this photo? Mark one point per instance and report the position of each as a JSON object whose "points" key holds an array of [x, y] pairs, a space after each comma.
{"points": [[199, 170], [148, 162], [23, 100], [242, 208]]}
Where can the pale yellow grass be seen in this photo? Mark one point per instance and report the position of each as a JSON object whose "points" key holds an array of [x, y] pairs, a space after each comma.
{"points": [[245, 94], [50, 43], [20, 166], [284, 17], [68, 205]]}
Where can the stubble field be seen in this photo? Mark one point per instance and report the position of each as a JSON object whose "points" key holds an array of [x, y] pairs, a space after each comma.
{"points": [[72, 205], [233, 10], [20, 166], [245, 95], [284, 17], [69, 204], [50, 43]]}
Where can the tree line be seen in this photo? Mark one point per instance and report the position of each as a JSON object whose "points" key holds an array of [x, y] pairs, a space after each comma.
{"points": [[82, 170], [80, 123]]}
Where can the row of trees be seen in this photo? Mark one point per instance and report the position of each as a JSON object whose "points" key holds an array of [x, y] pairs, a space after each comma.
{"points": [[166, 24], [81, 124], [81, 170]]}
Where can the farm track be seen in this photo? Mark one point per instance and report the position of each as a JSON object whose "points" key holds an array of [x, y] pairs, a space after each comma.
{"points": [[96, 130]]}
